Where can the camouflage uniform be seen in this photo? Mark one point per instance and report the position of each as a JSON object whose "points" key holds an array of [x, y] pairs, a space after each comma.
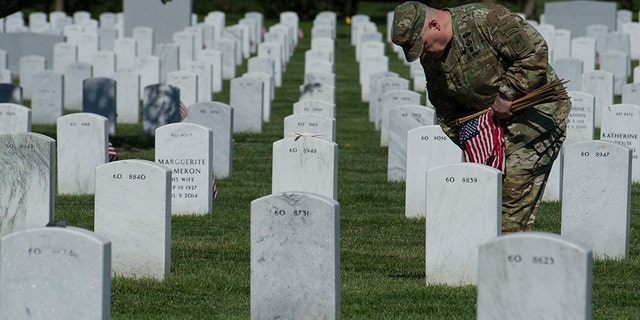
{"points": [[494, 50]]}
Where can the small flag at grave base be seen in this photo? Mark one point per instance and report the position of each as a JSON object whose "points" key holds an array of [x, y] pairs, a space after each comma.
{"points": [[483, 142], [113, 155], [184, 112]]}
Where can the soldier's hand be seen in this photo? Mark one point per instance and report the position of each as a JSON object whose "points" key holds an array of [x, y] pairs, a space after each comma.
{"points": [[501, 108]]}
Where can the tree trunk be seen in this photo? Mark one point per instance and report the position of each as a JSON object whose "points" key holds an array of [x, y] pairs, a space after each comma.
{"points": [[529, 9]]}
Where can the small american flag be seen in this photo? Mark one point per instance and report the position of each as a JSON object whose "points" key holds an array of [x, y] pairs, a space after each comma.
{"points": [[184, 112], [214, 186], [113, 155], [483, 142]]}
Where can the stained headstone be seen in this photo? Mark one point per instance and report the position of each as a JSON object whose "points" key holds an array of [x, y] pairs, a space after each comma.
{"points": [[14, 118], [320, 77], [28, 171], [621, 124], [186, 149], [99, 97], [47, 97], [246, 100], [133, 210], [597, 217], [218, 117], [82, 146], [452, 192], [55, 273], [10, 93], [401, 120], [161, 105], [305, 164], [427, 148], [309, 225], [534, 275]]}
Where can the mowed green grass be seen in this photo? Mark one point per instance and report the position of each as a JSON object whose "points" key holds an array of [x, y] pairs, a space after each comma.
{"points": [[382, 252]]}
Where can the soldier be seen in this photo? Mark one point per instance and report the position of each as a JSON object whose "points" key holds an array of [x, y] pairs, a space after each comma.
{"points": [[480, 56]]}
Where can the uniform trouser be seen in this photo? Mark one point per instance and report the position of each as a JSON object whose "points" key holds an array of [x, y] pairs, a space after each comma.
{"points": [[533, 139]]}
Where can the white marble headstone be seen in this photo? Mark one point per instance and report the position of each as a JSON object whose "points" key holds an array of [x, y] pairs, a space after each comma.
{"points": [[133, 210], [600, 84], [374, 91], [581, 117], [74, 75], [427, 148], [534, 275], [305, 164], [268, 87], [187, 83], [313, 124], [631, 93], [168, 53], [29, 66], [144, 37], [127, 98], [471, 195], [295, 257], [621, 124], [82, 146], [393, 98], [214, 59], [246, 96], [28, 171], [218, 117], [148, 69], [616, 62], [315, 106], [55, 273], [186, 149], [584, 48], [401, 120], [228, 49], [64, 53], [47, 97], [273, 50], [14, 118], [597, 216], [368, 67]]}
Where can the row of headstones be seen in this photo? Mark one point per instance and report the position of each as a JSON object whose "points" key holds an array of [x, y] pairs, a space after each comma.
{"points": [[38, 263]]}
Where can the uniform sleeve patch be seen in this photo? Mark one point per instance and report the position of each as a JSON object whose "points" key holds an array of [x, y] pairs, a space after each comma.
{"points": [[517, 41]]}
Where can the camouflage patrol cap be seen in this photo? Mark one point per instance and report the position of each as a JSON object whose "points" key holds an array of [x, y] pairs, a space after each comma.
{"points": [[408, 20]]}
